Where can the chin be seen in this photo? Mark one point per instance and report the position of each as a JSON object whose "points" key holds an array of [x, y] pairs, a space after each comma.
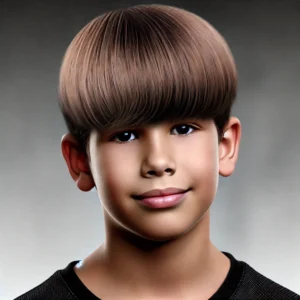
{"points": [[163, 234]]}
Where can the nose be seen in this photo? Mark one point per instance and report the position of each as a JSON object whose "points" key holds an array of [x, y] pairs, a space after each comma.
{"points": [[158, 160]]}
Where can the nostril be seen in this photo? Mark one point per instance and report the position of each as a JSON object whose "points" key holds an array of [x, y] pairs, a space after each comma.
{"points": [[151, 172], [156, 173]]}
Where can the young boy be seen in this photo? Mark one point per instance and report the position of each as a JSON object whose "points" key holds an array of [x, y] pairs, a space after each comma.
{"points": [[146, 93]]}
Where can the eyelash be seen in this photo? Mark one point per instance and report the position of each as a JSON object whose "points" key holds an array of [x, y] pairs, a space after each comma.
{"points": [[113, 138]]}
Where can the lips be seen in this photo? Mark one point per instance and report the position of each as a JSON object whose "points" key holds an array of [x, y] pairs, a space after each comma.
{"points": [[160, 193]]}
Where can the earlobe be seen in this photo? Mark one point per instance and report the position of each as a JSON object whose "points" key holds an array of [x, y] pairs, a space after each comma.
{"points": [[85, 182], [229, 147], [77, 163]]}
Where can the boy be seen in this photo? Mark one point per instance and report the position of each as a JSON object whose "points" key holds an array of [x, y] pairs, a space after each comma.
{"points": [[146, 93]]}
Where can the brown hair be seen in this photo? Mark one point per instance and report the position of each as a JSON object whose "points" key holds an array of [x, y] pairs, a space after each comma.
{"points": [[142, 65]]}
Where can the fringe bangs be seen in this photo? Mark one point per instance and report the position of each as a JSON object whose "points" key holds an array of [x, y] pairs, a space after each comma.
{"points": [[143, 65]]}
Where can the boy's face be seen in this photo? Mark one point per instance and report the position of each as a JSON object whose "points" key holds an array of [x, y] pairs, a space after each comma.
{"points": [[184, 155]]}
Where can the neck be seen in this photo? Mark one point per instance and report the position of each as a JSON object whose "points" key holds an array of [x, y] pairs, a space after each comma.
{"points": [[169, 268]]}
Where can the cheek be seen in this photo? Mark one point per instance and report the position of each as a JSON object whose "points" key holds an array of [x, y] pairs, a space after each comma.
{"points": [[117, 169], [201, 164]]}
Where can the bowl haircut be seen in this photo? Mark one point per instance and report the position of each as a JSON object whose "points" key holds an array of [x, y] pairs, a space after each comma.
{"points": [[143, 65]]}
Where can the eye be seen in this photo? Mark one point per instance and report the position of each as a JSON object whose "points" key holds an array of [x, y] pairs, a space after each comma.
{"points": [[183, 129], [124, 137]]}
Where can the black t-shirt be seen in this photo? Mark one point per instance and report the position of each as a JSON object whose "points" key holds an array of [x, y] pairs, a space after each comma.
{"points": [[241, 282]]}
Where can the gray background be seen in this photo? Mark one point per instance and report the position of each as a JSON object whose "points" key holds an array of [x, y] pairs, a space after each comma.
{"points": [[45, 222]]}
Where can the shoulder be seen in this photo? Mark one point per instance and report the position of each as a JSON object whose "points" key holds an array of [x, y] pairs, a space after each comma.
{"points": [[53, 288], [254, 285]]}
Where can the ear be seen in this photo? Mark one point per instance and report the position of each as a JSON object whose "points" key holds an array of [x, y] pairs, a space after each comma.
{"points": [[77, 162], [229, 147]]}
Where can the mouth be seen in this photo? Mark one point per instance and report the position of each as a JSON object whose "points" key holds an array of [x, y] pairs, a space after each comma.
{"points": [[162, 198], [160, 193]]}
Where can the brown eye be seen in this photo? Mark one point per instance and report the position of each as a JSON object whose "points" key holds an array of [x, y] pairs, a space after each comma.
{"points": [[184, 129], [124, 137]]}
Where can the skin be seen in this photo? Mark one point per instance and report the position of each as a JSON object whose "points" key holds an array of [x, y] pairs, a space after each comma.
{"points": [[155, 254]]}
